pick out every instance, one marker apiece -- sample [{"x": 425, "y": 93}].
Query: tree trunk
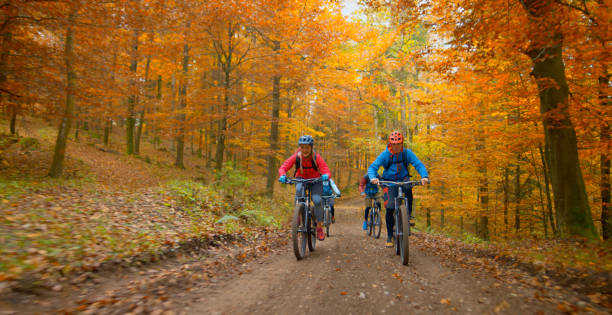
[
  {"x": 271, "y": 173},
  {"x": 604, "y": 161},
  {"x": 404, "y": 123},
  {"x": 107, "y": 128},
  {"x": 506, "y": 197},
  {"x": 13, "y": 118},
  {"x": 76, "y": 131},
  {"x": 288, "y": 145},
  {"x": 142, "y": 110},
  {"x": 517, "y": 196},
  {"x": 60, "y": 145},
  {"x": 7, "y": 38},
  {"x": 180, "y": 139},
  {"x": 571, "y": 202},
  {"x": 223, "y": 122},
  {"x": 131, "y": 120},
  {"x": 542, "y": 206},
  {"x": 200, "y": 144},
  {"x": 549, "y": 205},
  {"x": 484, "y": 228}
]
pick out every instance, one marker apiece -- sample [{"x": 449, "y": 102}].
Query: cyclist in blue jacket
[{"x": 395, "y": 160}]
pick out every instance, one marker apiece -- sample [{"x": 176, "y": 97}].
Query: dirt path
[{"x": 350, "y": 273}]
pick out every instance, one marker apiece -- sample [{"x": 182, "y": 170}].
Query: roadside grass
[
  {"x": 53, "y": 233},
  {"x": 559, "y": 254},
  {"x": 110, "y": 207}
]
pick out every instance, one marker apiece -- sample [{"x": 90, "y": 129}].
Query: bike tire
[
  {"x": 298, "y": 231},
  {"x": 377, "y": 223},
  {"x": 327, "y": 221},
  {"x": 312, "y": 233},
  {"x": 397, "y": 227},
  {"x": 370, "y": 230},
  {"x": 405, "y": 243}
]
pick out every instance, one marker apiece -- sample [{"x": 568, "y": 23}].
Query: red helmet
[{"x": 396, "y": 137}]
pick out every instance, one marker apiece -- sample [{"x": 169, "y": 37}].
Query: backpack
[
  {"x": 298, "y": 163},
  {"x": 404, "y": 161}
]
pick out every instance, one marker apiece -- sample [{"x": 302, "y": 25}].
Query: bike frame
[
  {"x": 402, "y": 221},
  {"x": 305, "y": 199},
  {"x": 400, "y": 194}
]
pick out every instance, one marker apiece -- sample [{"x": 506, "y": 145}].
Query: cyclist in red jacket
[{"x": 308, "y": 164}]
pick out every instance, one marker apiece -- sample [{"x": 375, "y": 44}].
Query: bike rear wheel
[
  {"x": 405, "y": 239},
  {"x": 312, "y": 232},
  {"x": 299, "y": 231},
  {"x": 377, "y": 223}
]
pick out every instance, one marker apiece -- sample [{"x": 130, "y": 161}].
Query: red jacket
[{"x": 307, "y": 170}]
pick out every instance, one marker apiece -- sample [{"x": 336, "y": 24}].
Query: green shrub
[
  {"x": 231, "y": 179},
  {"x": 29, "y": 143}
]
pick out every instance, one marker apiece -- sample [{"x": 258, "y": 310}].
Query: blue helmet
[{"x": 306, "y": 139}]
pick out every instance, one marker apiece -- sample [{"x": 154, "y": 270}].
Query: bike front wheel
[
  {"x": 405, "y": 229},
  {"x": 299, "y": 231},
  {"x": 327, "y": 221},
  {"x": 370, "y": 229},
  {"x": 377, "y": 224},
  {"x": 312, "y": 232},
  {"x": 397, "y": 232}
]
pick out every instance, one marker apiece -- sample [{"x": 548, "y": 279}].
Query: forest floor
[{"x": 348, "y": 273}]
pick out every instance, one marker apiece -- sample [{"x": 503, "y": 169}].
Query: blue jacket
[{"x": 396, "y": 170}]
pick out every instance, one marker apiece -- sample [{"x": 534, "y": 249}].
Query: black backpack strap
[
  {"x": 405, "y": 160},
  {"x": 297, "y": 164}
]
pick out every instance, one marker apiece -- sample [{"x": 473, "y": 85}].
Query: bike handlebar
[
  {"x": 330, "y": 197},
  {"x": 410, "y": 182},
  {"x": 293, "y": 181}
]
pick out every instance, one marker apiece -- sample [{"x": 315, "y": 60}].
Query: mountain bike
[
  {"x": 401, "y": 229},
  {"x": 327, "y": 217},
  {"x": 303, "y": 224},
  {"x": 374, "y": 219}
]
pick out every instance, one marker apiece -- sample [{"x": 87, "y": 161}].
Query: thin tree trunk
[
  {"x": 287, "y": 137},
  {"x": 506, "y": 197},
  {"x": 13, "y": 118},
  {"x": 7, "y": 38},
  {"x": 604, "y": 162},
  {"x": 144, "y": 105},
  {"x": 180, "y": 139},
  {"x": 542, "y": 206},
  {"x": 76, "y": 131},
  {"x": 200, "y": 143},
  {"x": 107, "y": 128},
  {"x": 271, "y": 173},
  {"x": 60, "y": 145},
  {"x": 517, "y": 196},
  {"x": 549, "y": 205},
  {"x": 131, "y": 119}
]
